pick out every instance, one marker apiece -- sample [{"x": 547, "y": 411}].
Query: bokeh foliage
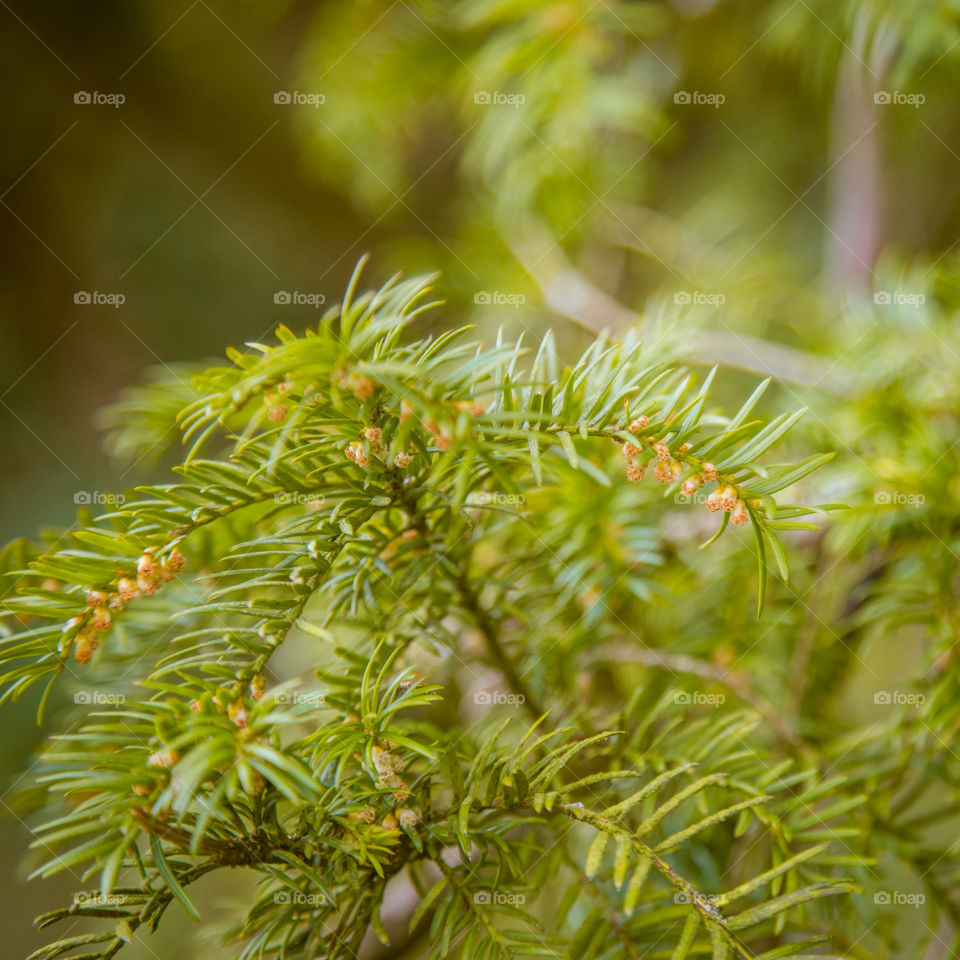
[{"x": 537, "y": 153}]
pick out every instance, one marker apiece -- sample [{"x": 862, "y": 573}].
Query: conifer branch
[{"x": 367, "y": 494}]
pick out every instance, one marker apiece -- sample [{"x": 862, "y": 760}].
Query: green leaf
[
  {"x": 771, "y": 908},
  {"x": 569, "y": 449},
  {"x": 769, "y": 875},
  {"x": 426, "y": 903},
  {"x": 761, "y": 562},
  {"x": 682, "y": 950},
  {"x": 595, "y": 854},
  {"x": 160, "y": 862}
]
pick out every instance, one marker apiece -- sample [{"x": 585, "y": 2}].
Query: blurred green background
[
  {"x": 754, "y": 177},
  {"x": 194, "y": 202}
]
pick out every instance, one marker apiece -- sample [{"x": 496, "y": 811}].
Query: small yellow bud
[
  {"x": 662, "y": 452},
  {"x": 357, "y": 454},
  {"x": 728, "y": 497},
  {"x": 237, "y": 712},
  {"x": 127, "y": 589},
  {"x": 85, "y": 647},
  {"x": 166, "y": 757},
  {"x": 668, "y": 472},
  {"x": 361, "y": 386},
  {"x": 101, "y": 619}
]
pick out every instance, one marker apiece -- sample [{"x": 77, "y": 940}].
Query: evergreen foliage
[
  {"x": 416, "y": 513},
  {"x": 525, "y": 632}
]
